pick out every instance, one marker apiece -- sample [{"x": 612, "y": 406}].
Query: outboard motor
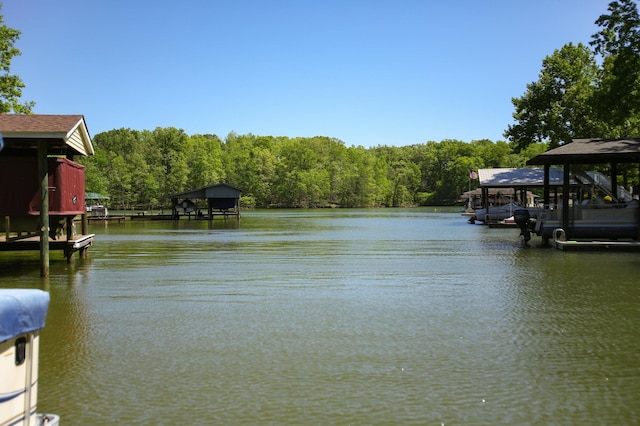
[{"x": 522, "y": 218}]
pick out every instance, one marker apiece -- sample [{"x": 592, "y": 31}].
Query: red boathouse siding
[{"x": 20, "y": 193}]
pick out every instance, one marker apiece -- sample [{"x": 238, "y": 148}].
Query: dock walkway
[
  {"x": 573, "y": 245},
  {"x": 106, "y": 218},
  {"x": 561, "y": 242},
  {"x": 32, "y": 242}
]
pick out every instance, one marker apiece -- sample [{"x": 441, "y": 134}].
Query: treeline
[
  {"x": 585, "y": 91},
  {"x": 138, "y": 169}
]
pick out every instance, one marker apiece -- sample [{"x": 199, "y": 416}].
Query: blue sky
[{"x": 376, "y": 72}]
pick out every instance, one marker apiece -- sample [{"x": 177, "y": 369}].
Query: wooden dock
[
  {"x": 502, "y": 224},
  {"x": 560, "y": 242},
  {"x": 78, "y": 243},
  {"x": 597, "y": 245},
  {"x": 168, "y": 216},
  {"x": 150, "y": 216},
  {"x": 106, "y": 218}
]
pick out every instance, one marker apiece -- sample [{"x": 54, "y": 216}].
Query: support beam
[
  {"x": 43, "y": 223},
  {"x": 485, "y": 202},
  {"x": 614, "y": 181},
  {"x": 545, "y": 197},
  {"x": 565, "y": 201},
  {"x": 69, "y": 226}
]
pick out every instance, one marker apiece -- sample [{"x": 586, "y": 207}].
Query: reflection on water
[{"x": 336, "y": 317}]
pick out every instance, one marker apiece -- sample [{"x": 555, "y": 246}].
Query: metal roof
[
  {"x": 491, "y": 191},
  {"x": 95, "y": 196},
  {"x": 521, "y": 177},
  {"x": 219, "y": 190},
  {"x": 591, "y": 151},
  {"x": 63, "y": 133}
]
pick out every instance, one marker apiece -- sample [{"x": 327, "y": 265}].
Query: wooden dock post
[
  {"x": 43, "y": 228},
  {"x": 85, "y": 225}
]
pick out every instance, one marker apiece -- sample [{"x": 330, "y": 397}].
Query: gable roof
[
  {"x": 63, "y": 133},
  {"x": 591, "y": 151},
  {"x": 219, "y": 190},
  {"x": 521, "y": 177}
]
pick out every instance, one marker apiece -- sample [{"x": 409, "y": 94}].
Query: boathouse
[
  {"x": 41, "y": 188},
  {"x": 222, "y": 200},
  {"x": 96, "y": 205},
  {"x": 579, "y": 152},
  {"x": 499, "y": 187}
]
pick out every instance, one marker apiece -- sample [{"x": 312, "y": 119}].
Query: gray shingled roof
[{"x": 591, "y": 151}]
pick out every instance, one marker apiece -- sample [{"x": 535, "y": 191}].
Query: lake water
[{"x": 335, "y": 317}]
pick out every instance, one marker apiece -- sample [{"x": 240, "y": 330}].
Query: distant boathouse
[{"x": 222, "y": 200}]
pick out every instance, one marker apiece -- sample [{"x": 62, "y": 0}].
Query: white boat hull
[
  {"x": 501, "y": 213},
  {"x": 22, "y": 315}
]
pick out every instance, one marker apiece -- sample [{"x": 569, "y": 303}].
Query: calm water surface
[{"x": 336, "y": 317}]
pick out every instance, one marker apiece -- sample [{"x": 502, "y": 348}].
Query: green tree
[
  {"x": 204, "y": 156},
  {"x": 293, "y": 185},
  {"x": 446, "y": 170},
  {"x": 363, "y": 179},
  {"x": 109, "y": 171},
  {"x": 120, "y": 183},
  {"x": 405, "y": 178},
  {"x": 168, "y": 165},
  {"x": 10, "y": 84},
  {"x": 95, "y": 178},
  {"x": 248, "y": 166},
  {"x": 489, "y": 154},
  {"x": 618, "y": 43},
  {"x": 145, "y": 188},
  {"x": 557, "y": 107},
  {"x": 138, "y": 167}
]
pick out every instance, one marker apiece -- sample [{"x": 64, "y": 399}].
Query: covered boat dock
[
  {"x": 41, "y": 188},
  {"x": 222, "y": 200},
  {"x": 596, "y": 226},
  {"x": 510, "y": 185}
]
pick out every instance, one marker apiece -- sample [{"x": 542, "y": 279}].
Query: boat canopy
[
  {"x": 22, "y": 311},
  {"x": 523, "y": 177}
]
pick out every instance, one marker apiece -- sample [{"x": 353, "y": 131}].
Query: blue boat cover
[{"x": 22, "y": 311}]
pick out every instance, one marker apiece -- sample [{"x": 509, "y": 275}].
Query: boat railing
[{"x": 621, "y": 212}]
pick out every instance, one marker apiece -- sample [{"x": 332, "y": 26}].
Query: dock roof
[
  {"x": 64, "y": 134},
  {"x": 518, "y": 177},
  {"x": 591, "y": 151},
  {"x": 219, "y": 190}
]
